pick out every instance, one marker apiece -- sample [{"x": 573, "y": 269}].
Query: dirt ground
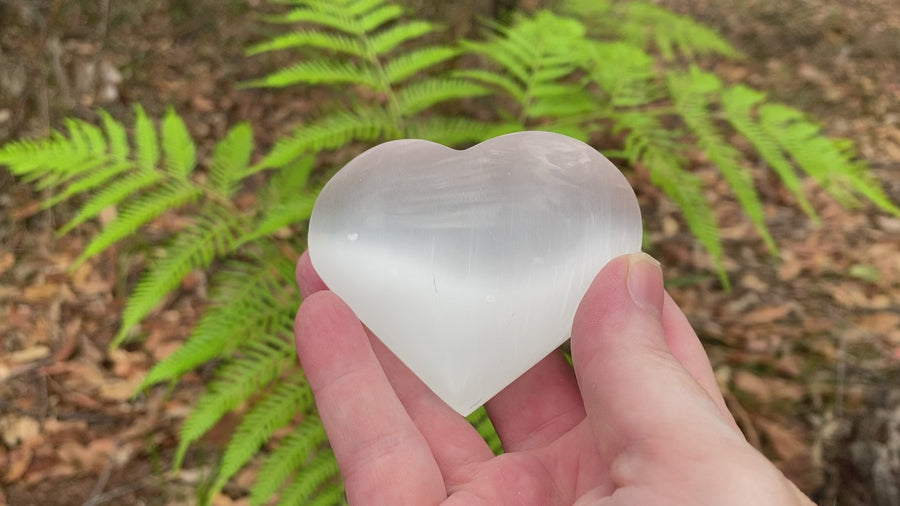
[{"x": 806, "y": 346}]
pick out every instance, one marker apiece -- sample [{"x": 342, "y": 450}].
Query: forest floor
[{"x": 806, "y": 346}]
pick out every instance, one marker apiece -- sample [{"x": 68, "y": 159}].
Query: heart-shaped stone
[{"x": 469, "y": 265}]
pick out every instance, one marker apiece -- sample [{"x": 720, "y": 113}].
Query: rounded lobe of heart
[{"x": 469, "y": 265}]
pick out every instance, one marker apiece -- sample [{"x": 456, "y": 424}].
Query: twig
[{"x": 101, "y": 483}]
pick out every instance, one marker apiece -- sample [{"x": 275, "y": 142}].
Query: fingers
[
  {"x": 686, "y": 348},
  {"x": 383, "y": 457},
  {"x": 453, "y": 441},
  {"x": 308, "y": 279},
  {"x": 633, "y": 386},
  {"x": 539, "y": 406}
]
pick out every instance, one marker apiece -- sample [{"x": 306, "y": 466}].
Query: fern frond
[
  {"x": 356, "y": 18},
  {"x": 319, "y": 71},
  {"x": 377, "y": 17},
  {"x": 275, "y": 410},
  {"x": 292, "y": 452},
  {"x": 391, "y": 38},
  {"x": 212, "y": 235},
  {"x": 96, "y": 178},
  {"x": 656, "y": 147},
  {"x": 503, "y": 54},
  {"x": 54, "y": 160},
  {"x": 302, "y": 491},
  {"x": 425, "y": 93},
  {"x": 456, "y": 130},
  {"x": 737, "y": 106},
  {"x": 327, "y": 133},
  {"x": 832, "y": 163},
  {"x": 689, "y": 96},
  {"x": 624, "y": 73},
  {"x": 178, "y": 147},
  {"x": 281, "y": 215},
  {"x": 230, "y": 158},
  {"x": 311, "y": 38},
  {"x": 505, "y": 83},
  {"x": 116, "y": 136},
  {"x": 482, "y": 423},
  {"x": 257, "y": 364},
  {"x": 248, "y": 300},
  {"x": 409, "y": 64},
  {"x": 137, "y": 212},
  {"x": 647, "y": 25},
  {"x": 145, "y": 140},
  {"x": 113, "y": 194},
  {"x": 555, "y": 100}
]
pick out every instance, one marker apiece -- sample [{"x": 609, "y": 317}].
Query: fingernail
[{"x": 645, "y": 282}]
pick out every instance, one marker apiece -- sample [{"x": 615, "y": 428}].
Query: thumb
[{"x": 633, "y": 386}]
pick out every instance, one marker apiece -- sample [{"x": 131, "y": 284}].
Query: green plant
[{"x": 623, "y": 72}]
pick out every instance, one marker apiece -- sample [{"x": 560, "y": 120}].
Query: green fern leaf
[
  {"x": 503, "y": 54},
  {"x": 194, "y": 248},
  {"x": 137, "y": 212},
  {"x": 275, "y": 410},
  {"x": 312, "y": 38},
  {"x": 689, "y": 98},
  {"x": 319, "y": 71},
  {"x": 286, "y": 201},
  {"x": 656, "y": 147},
  {"x": 258, "y": 363},
  {"x": 113, "y": 194},
  {"x": 391, "y": 38},
  {"x": 89, "y": 181},
  {"x": 302, "y": 491},
  {"x": 558, "y": 101},
  {"x": 327, "y": 133},
  {"x": 737, "y": 105},
  {"x": 455, "y": 130},
  {"x": 145, "y": 140},
  {"x": 645, "y": 24},
  {"x": 230, "y": 158},
  {"x": 321, "y": 17},
  {"x": 292, "y": 451},
  {"x": 624, "y": 73},
  {"x": 378, "y": 17},
  {"x": 413, "y": 62},
  {"x": 247, "y": 300},
  {"x": 425, "y": 93},
  {"x": 329, "y": 495},
  {"x": 178, "y": 147},
  {"x": 482, "y": 423},
  {"x": 832, "y": 163},
  {"x": 116, "y": 136},
  {"x": 510, "y": 86},
  {"x": 281, "y": 215}
]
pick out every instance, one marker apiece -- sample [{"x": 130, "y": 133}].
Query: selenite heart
[{"x": 469, "y": 265}]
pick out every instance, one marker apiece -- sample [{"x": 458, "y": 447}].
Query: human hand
[{"x": 640, "y": 420}]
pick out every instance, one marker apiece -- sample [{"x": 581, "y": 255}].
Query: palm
[{"x": 644, "y": 403}]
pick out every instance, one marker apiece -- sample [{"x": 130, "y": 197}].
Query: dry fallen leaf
[{"x": 7, "y": 260}]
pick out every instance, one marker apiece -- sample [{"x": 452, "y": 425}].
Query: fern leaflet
[
  {"x": 302, "y": 491},
  {"x": 178, "y": 147},
  {"x": 256, "y": 364},
  {"x": 249, "y": 300},
  {"x": 275, "y": 410},
  {"x": 194, "y": 248},
  {"x": 292, "y": 452},
  {"x": 137, "y": 212},
  {"x": 737, "y": 104},
  {"x": 689, "y": 95},
  {"x": 230, "y": 158}
]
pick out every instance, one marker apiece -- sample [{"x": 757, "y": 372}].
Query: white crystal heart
[{"x": 469, "y": 265}]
